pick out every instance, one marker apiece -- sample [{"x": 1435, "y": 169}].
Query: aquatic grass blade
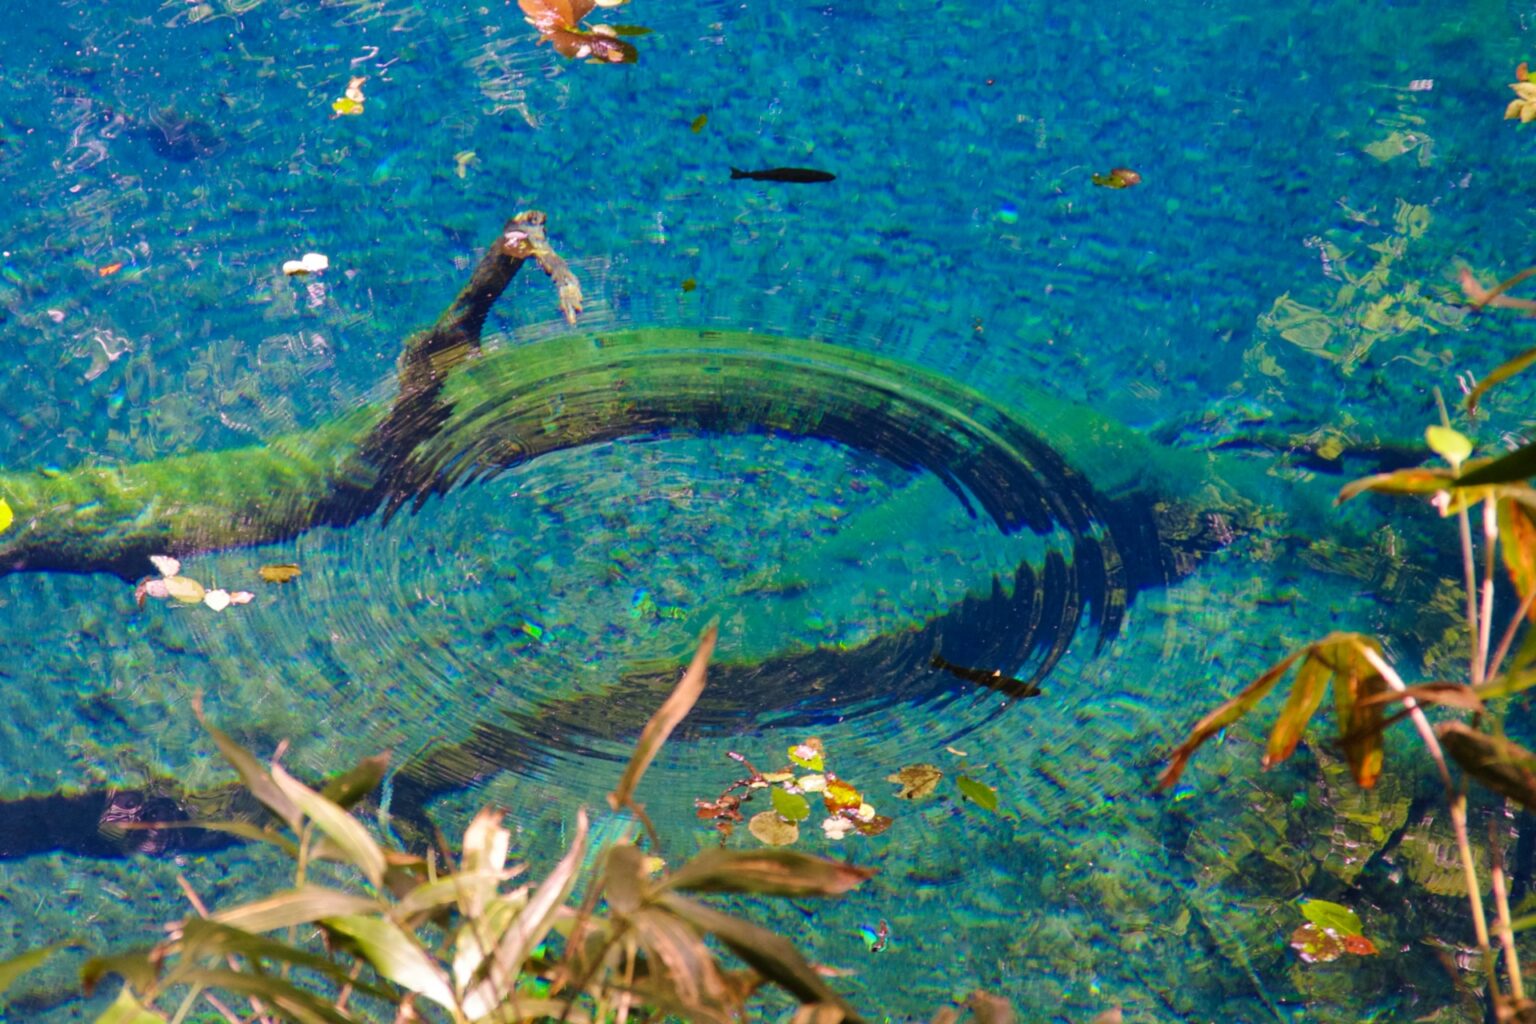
[
  {"x": 339, "y": 826},
  {"x": 395, "y": 955},
  {"x": 1228, "y": 712},
  {"x": 204, "y": 937},
  {"x": 32, "y": 959},
  {"x": 1502, "y": 765},
  {"x": 126, "y": 1009},
  {"x": 767, "y": 872},
  {"x": 772, "y": 956},
  {"x": 250, "y": 771},
  {"x": 672, "y": 711},
  {"x": 294, "y": 907},
  {"x": 1499, "y": 375},
  {"x": 1307, "y": 691}
]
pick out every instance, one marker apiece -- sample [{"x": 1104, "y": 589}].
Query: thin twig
[
  {"x": 224, "y": 1011},
  {"x": 1501, "y": 907},
  {"x": 1509, "y": 633},
  {"x": 1490, "y": 549}
]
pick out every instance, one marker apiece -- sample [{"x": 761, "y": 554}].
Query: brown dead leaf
[{"x": 283, "y": 573}]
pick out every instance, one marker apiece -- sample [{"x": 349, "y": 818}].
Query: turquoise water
[{"x": 1285, "y": 156}]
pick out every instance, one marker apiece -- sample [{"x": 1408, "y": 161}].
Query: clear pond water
[{"x": 1281, "y": 282}]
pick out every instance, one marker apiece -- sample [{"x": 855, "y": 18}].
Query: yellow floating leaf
[
  {"x": 282, "y": 573},
  {"x": 778, "y": 776},
  {"x": 769, "y": 828},
  {"x": 916, "y": 780},
  {"x": 183, "y": 589},
  {"x": 808, "y": 754},
  {"x": 7, "y": 517},
  {"x": 1451, "y": 445},
  {"x": 840, "y": 796},
  {"x": 347, "y": 107}
]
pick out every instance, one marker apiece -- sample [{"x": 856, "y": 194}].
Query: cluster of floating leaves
[
  {"x": 350, "y": 103},
  {"x": 1331, "y": 931},
  {"x": 1523, "y": 106},
  {"x": 793, "y": 788},
  {"x": 171, "y": 585},
  {"x": 6, "y": 516}
]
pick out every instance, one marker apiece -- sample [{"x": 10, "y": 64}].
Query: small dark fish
[
  {"x": 992, "y": 679},
  {"x": 796, "y": 175}
]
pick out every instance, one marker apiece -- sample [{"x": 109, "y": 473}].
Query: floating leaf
[
  {"x": 773, "y": 872},
  {"x": 769, "y": 827},
  {"x": 183, "y": 589},
  {"x": 218, "y": 600},
  {"x": 979, "y": 793},
  {"x": 811, "y": 783},
  {"x": 808, "y": 755},
  {"x": 916, "y": 780},
  {"x": 6, "y": 516},
  {"x": 165, "y": 565},
  {"x": 790, "y": 805},
  {"x": 280, "y": 573},
  {"x": 1316, "y": 946},
  {"x": 1451, "y": 445},
  {"x": 839, "y": 796},
  {"x": 837, "y": 827},
  {"x": 1334, "y": 917},
  {"x": 699, "y": 123},
  {"x": 1517, "y": 466},
  {"x": 660, "y": 726},
  {"x": 1359, "y": 945}
]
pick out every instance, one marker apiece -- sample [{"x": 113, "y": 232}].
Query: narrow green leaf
[
  {"x": 1508, "y": 684},
  {"x": 296, "y": 906},
  {"x": 1502, "y": 765},
  {"x": 1229, "y": 712},
  {"x": 32, "y": 959},
  {"x": 1499, "y": 375},
  {"x": 396, "y": 956},
  {"x": 339, "y": 826},
  {"x": 203, "y": 939},
  {"x": 1517, "y": 547},
  {"x": 250, "y": 770},
  {"x": 774, "y": 872},
  {"x": 447, "y": 889},
  {"x": 1332, "y": 917},
  {"x": 1450, "y": 444},
  {"x": 772, "y": 956},
  {"x": 1402, "y": 481},
  {"x": 1307, "y": 691},
  {"x": 791, "y": 806},
  {"x": 128, "y": 1010},
  {"x": 1359, "y": 720},
  {"x": 139, "y": 968},
  {"x": 979, "y": 793},
  {"x": 299, "y": 1004},
  {"x": 1518, "y": 465},
  {"x": 352, "y": 786},
  {"x": 672, "y": 711}
]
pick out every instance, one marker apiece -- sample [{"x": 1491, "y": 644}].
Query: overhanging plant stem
[{"x": 1484, "y": 631}]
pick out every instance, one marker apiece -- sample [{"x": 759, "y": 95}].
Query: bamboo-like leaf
[
  {"x": 772, "y": 956},
  {"x": 242, "y": 829},
  {"x": 1307, "y": 691},
  {"x": 1229, "y": 712},
  {"x": 626, "y": 880},
  {"x": 1334, "y": 917},
  {"x": 396, "y": 956},
  {"x": 978, "y": 793},
  {"x": 1499, "y": 375},
  {"x": 352, "y": 786},
  {"x": 689, "y": 972},
  {"x": 1423, "y": 480},
  {"x": 529, "y": 928},
  {"x": 127, "y": 1009},
  {"x": 204, "y": 938},
  {"x": 339, "y": 826},
  {"x": 1517, "y": 546},
  {"x": 299, "y": 1004},
  {"x": 139, "y": 968},
  {"x": 486, "y": 842},
  {"x": 478, "y": 938},
  {"x": 774, "y": 872},
  {"x": 250, "y": 771},
  {"x": 1502, "y": 765},
  {"x": 1518, "y": 465},
  {"x": 448, "y": 889},
  {"x": 1359, "y": 720},
  {"x": 296, "y": 906},
  {"x": 672, "y": 711},
  {"x": 1450, "y": 695},
  {"x": 32, "y": 959}
]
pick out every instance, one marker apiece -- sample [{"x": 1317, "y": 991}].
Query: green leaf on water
[
  {"x": 16, "y": 966},
  {"x": 1450, "y": 444},
  {"x": 1332, "y": 917},
  {"x": 791, "y": 806},
  {"x": 979, "y": 793}
]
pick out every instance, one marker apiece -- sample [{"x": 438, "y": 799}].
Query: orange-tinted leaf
[
  {"x": 672, "y": 711},
  {"x": 840, "y": 796},
  {"x": 871, "y": 826},
  {"x": 1359, "y": 945},
  {"x": 1403, "y": 481},
  {"x": 1223, "y": 716},
  {"x": 1451, "y": 695},
  {"x": 778, "y": 872},
  {"x": 1359, "y": 721},
  {"x": 1306, "y": 694},
  {"x": 1517, "y": 543}
]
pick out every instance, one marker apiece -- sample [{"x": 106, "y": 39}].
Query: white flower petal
[
  {"x": 218, "y": 600},
  {"x": 167, "y": 565}
]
